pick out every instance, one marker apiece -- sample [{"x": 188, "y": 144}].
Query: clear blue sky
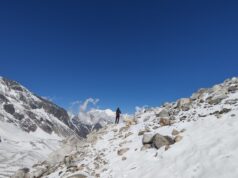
[{"x": 126, "y": 53}]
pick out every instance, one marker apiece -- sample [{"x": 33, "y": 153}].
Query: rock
[
  {"x": 184, "y": 104},
  {"x": 147, "y": 139},
  {"x": 128, "y": 134},
  {"x": 166, "y": 147},
  {"x": 40, "y": 171},
  {"x": 164, "y": 121},
  {"x": 163, "y": 113},
  {"x": 232, "y": 88},
  {"x": 233, "y": 115},
  {"x": 183, "y": 130},
  {"x": 155, "y": 127},
  {"x": 175, "y": 132},
  {"x": 123, "y": 158},
  {"x": 22, "y": 173},
  {"x": 224, "y": 110},
  {"x": 231, "y": 101},
  {"x": 178, "y": 138},
  {"x": 3, "y": 99},
  {"x": 198, "y": 94},
  {"x": 202, "y": 115},
  {"x": 129, "y": 121},
  {"x": 216, "y": 89},
  {"x": 141, "y": 132},
  {"x": 145, "y": 147},
  {"x": 216, "y": 99},
  {"x": 122, "y": 151},
  {"x": 9, "y": 108},
  {"x": 183, "y": 118},
  {"x": 77, "y": 176},
  {"x": 123, "y": 143},
  {"x": 115, "y": 130},
  {"x": 146, "y": 119},
  {"x": 195, "y": 96},
  {"x": 68, "y": 160},
  {"x": 147, "y": 128},
  {"x": 160, "y": 141}
]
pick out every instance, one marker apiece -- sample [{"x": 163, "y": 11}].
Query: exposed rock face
[
  {"x": 175, "y": 132},
  {"x": 178, "y": 138}
]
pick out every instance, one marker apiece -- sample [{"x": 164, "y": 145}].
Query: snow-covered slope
[
  {"x": 30, "y": 127},
  {"x": 196, "y": 138}
]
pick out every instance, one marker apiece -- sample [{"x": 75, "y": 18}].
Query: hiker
[{"x": 118, "y": 112}]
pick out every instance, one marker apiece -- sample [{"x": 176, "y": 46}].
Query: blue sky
[{"x": 126, "y": 53}]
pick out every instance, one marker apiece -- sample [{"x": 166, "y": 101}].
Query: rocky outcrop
[
  {"x": 184, "y": 104},
  {"x": 163, "y": 113}
]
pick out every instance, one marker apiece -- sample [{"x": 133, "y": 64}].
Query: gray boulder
[
  {"x": 163, "y": 113},
  {"x": 160, "y": 141},
  {"x": 9, "y": 108}
]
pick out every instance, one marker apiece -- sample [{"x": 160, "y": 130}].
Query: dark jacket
[{"x": 118, "y": 112}]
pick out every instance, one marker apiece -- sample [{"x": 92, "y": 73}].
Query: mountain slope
[
  {"x": 30, "y": 112},
  {"x": 192, "y": 137}
]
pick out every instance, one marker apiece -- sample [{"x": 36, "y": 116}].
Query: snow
[
  {"x": 19, "y": 149},
  {"x": 208, "y": 148}
]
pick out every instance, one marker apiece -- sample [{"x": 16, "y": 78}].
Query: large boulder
[
  {"x": 184, "y": 104},
  {"x": 163, "y": 113},
  {"x": 9, "y": 108},
  {"x": 160, "y": 141}
]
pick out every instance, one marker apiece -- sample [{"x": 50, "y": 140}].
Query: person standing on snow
[{"x": 118, "y": 113}]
